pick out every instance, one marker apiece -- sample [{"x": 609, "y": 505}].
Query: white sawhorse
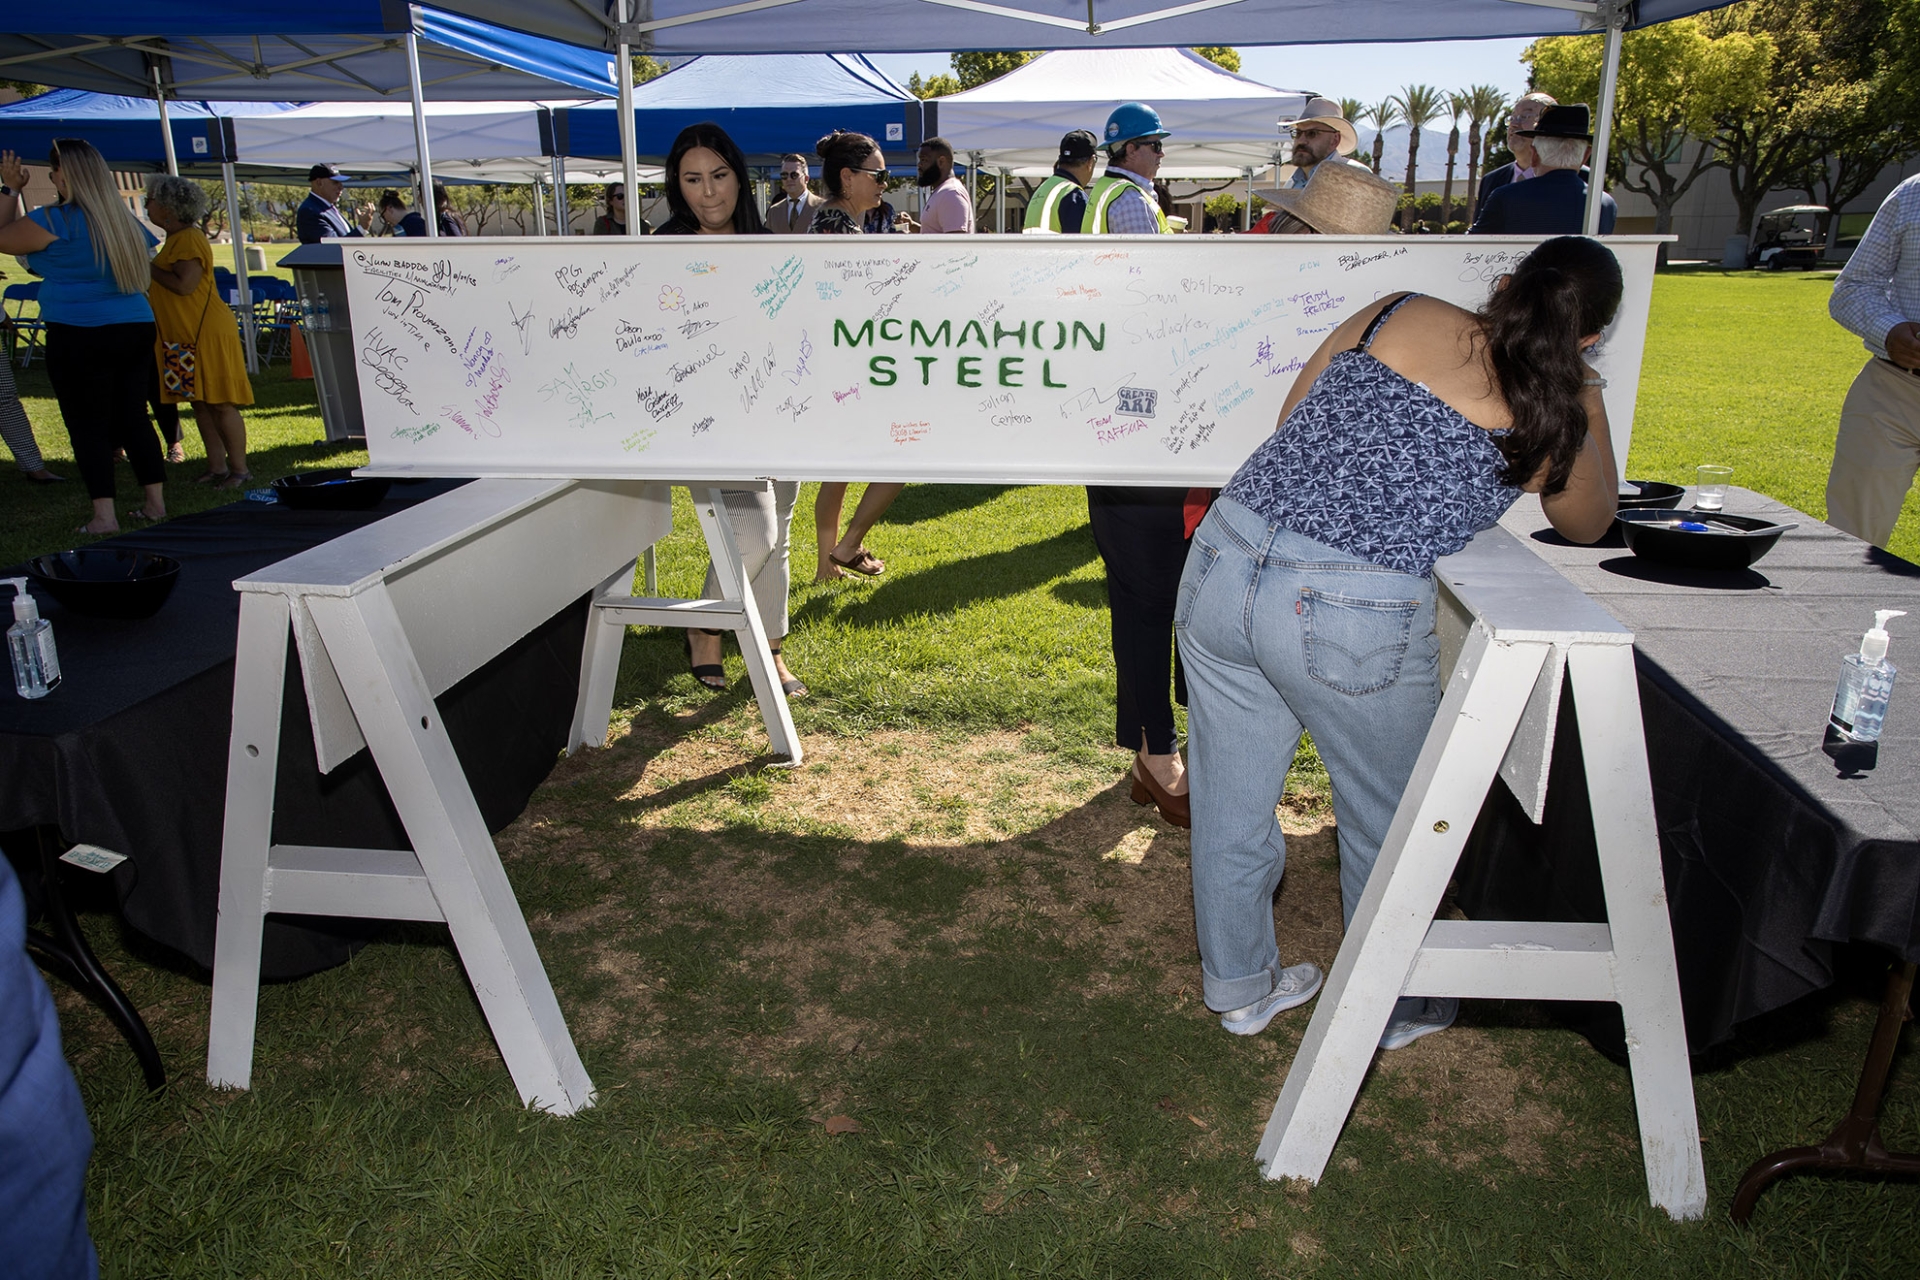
[
  {"x": 1520, "y": 629},
  {"x": 614, "y": 609},
  {"x": 384, "y": 620}
]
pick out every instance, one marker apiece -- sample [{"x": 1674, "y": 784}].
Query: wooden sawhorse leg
[{"x": 1854, "y": 1145}]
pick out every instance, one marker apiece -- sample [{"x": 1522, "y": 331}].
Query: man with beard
[
  {"x": 948, "y": 211},
  {"x": 1321, "y": 134}
]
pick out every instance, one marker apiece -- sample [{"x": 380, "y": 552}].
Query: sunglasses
[
  {"x": 618, "y": 195},
  {"x": 873, "y": 173},
  {"x": 1154, "y": 146}
]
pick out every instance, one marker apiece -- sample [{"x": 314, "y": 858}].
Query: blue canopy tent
[
  {"x": 768, "y": 105},
  {"x": 125, "y": 130}
]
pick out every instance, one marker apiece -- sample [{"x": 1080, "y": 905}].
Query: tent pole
[
  {"x": 1246, "y": 214},
  {"x": 240, "y": 261},
  {"x": 561, "y": 214},
  {"x": 431, "y": 213},
  {"x": 629, "y": 147},
  {"x": 1603, "y": 132},
  {"x": 539, "y": 208},
  {"x": 166, "y": 129},
  {"x": 973, "y": 180},
  {"x": 1000, "y": 202}
]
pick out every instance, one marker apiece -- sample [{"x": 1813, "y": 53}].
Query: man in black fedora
[{"x": 1553, "y": 201}]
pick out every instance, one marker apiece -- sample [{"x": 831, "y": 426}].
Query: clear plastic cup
[{"x": 1710, "y": 487}]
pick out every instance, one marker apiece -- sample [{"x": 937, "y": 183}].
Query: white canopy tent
[
  {"x": 1220, "y": 124},
  {"x": 472, "y": 141}
]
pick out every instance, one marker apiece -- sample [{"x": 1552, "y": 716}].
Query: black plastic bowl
[
  {"x": 1699, "y": 539},
  {"x": 1649, "y": 493},
  {"x": 334, "y": 490},
  {"x": 107, "y": 582}
]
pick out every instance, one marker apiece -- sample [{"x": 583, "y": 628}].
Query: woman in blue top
[
  {"x": 93, "y": 258},
  {"x": 1308, "y": 597}
]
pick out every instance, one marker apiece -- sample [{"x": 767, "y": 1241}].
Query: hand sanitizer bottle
[
  {"x": 1866, "y": 682},
  {"x": 36, "y": 667}
]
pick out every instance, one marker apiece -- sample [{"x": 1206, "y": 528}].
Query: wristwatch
[{"x": 6, "y": 190}]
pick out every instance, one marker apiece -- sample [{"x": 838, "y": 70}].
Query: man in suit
[
  {"x": 793, "y": 214},
  {"x": 1554, "y": 201},
  {"x": 1524, "y": 116},
  {"x": 319, "y": 216}
]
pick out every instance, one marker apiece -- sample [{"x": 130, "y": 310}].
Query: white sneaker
[
  {"x": 1296, "y": 985},
  {"x": 1437, "y": 1014}
]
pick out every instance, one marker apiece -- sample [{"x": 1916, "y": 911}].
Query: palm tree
[
  {"x": 1484, "y": 102},
  {"x": 1383, "y": 114},
  {"x": 1456, "y": 107},
  {"x": 1418, "y": 104},
  {"x": 1352, "y": 109}
]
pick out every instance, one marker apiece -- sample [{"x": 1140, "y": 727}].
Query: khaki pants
[{"x": 1877, "y": 453}]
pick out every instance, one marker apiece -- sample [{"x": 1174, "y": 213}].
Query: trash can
[
  {"x": 322, "y": 285},
  {"x": 1733, "y": 257}
]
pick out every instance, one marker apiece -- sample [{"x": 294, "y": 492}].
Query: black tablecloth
[
  {"x": 130, "y": 752},
  {"x": 1774, "y": 850}
]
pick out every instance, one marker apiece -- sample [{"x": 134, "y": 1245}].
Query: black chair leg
[{"x": 68, "y": 956}]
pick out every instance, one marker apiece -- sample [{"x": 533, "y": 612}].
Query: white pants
[
  {"x": 1877, "y": 452},
  {"x": 762, "y": 523}
]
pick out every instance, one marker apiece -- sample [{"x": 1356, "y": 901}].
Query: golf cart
[{"x": 1787, "y": 237}]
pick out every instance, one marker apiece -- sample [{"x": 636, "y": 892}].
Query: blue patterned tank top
[{"x": 1376, "y": 465}]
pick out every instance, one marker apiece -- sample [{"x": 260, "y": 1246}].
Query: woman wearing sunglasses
[{"x": 856, "y": 175}]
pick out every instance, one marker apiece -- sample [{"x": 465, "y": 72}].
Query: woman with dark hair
[
  {"x": 1308, "y": 598},
  {"x": 613, "y": 221},
  {"x": 707, "y": 192},
  {"x": 705, "y": 186},
  {"x": 855, "y": 174},
  {"x": 446, "y": 217}
]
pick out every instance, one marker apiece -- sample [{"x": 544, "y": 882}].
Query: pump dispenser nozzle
[
  {"x": 1873, "y": 645},
  {"x": 25, "y": 607}
]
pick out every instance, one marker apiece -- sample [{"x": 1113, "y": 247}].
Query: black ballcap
[
  {"x": 1078, "y": 145},
  {"x": 320, "y": 171}
]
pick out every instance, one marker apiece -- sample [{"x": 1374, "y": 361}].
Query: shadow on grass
[
  {"x": 919, "y": 503},
  {"x": 995, "y": 575}
]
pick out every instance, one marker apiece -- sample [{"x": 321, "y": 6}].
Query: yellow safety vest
[
  {"x": 1100, "y": 198},
  {"x": 1044, "y": 209}
]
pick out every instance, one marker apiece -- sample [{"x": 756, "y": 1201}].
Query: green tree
[
  {"x": 1352, "y": 110},
  {"x": 1676, "y": 82},
  {"x": 1418, "y": 104},
  {"x": 976, "y": 68},
  {"x": 1864, "y": 116},
  {"x": 1383, "y": 115},
  {"x": 647, "y": 68},
  {"x": 25, "y": 88},
  {"x": 1221, "y": 56},
  {"x": 1484, "y": 103},
  {"x": 1824, "y": 56},
  {"x": 934, "y": 86}
]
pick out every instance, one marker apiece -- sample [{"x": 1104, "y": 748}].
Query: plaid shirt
[
  {"x": 1879, "y": 288},
  {"x": 1130, "y": 214}
]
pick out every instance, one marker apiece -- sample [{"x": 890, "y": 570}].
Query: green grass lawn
[{"x": 949, "y": 928}]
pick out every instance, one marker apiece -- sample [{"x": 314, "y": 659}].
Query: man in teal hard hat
[
  {"x": 1122, "y": 201},
  {"x": 1060, "y": 203}
]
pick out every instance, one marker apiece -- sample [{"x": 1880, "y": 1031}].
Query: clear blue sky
[{"x": 1369, "y": 72}]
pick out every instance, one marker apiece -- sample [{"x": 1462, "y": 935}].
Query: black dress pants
[
  {"x": 1141, "y": 534},
  {"x": 100, "y": 375}
]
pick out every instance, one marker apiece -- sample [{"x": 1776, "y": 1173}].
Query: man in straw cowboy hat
[
  {"x": 1554, "y": 201},
  {"x": 1338, "y": 200},
  {"x": 1320, "y": 134}
]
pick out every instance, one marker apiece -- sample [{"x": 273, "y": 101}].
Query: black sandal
[
  {"x": 710, "y": 674},
  {"x": 795, "y": 688}
]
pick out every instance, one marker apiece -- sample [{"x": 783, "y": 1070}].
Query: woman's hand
[
  {"x": 12, "y": 172},
  {"x": 1584, "y": 510}
]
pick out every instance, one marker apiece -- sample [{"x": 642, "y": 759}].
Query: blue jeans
[{"x": 1279, "y": 633}]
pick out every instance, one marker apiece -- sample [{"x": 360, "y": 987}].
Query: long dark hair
[
  {"x": 746, "y": 214},
  {"x": 842, "y": 150},
  {"x": 1563, "y": 291}
]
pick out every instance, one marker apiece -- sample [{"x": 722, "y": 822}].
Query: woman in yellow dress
[{"x": 187, "y": 310}]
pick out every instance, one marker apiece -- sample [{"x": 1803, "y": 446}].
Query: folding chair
[{"x": 19, "y": 324}]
